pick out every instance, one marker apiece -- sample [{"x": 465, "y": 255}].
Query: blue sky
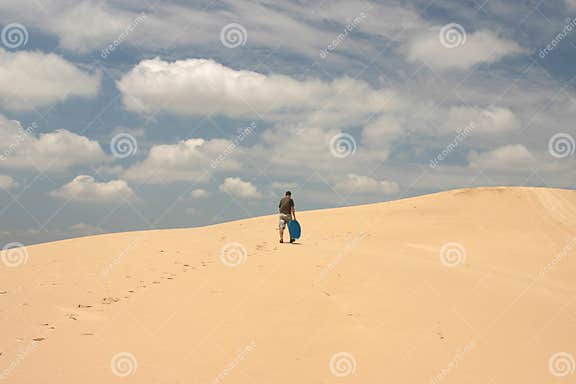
[{"x": 124, "y": 115}]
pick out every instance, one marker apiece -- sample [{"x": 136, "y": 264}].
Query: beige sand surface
[{"x": 367, "y": 288}]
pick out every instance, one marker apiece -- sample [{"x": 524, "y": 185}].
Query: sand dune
[{"x": 465, "y": 286}]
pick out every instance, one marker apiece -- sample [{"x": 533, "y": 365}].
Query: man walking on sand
[{"x": 287, "y": 213}]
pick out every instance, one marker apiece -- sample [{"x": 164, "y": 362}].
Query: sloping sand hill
[{"x": 465, "y": 286}]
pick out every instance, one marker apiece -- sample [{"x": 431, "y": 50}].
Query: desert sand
[{"x": 465, "y": 286}]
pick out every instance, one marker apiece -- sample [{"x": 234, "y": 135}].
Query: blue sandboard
[{"x": 294, "y": 228}]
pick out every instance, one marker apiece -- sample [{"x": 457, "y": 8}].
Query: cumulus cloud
[
  {"x": 204, "y": 87},
  {"x": 237, "y": 187},
  {"x": 33, "y": 79},
  {"x": 83, "y": 229},
  {"x": 189, "y": 160},
  {"x": 480, "y": 47},
  {"x": 507, "y": 157},
  {"x": 364, "y": 184},
  {"x": 85, "y": 189},
  {"x": 7, "y": 182},
  {"x": 199, "y": 193},
  {"x": 22, "y": 148},
  {"x": 486, "y": 120}
]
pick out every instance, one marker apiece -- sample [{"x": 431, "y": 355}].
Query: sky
[{"x": 124, "y": 115}]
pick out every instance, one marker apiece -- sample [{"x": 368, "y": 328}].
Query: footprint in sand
[
  {"x": 84, "y": 306},
  {"x": 110, "y": 300},
  {"x": 39, "y": 339}
]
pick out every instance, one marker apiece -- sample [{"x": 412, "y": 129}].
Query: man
[{"x": 287, "y": 213}]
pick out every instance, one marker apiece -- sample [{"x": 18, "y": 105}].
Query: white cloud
[
  {"x": 7, "y": 182},
  {"x": 488, "y": 120},
  {"x": 382, "y": 131},
  {"x": 507, "y": 157},
  {"x": 21, "y": 148},
  {"x": 480, "y": 47},
  {"x": 237, "y": 187},
  {"x": 283, "y": 186},
  {"x": 85, "y": 189},
  {"x": 199, "y": 193},
  {"x": 83, "y": 229},
  {"x": 34, "y": 79},
  {"x": 188, "y": 160},
  {"x": 203, "y": 87},
  {"x": 364, "y": 184}
]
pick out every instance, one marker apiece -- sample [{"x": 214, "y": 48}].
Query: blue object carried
[{"x": 294, "y": 229}]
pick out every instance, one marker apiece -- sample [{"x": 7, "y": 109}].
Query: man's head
[{"x": 288, "y": 193}]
